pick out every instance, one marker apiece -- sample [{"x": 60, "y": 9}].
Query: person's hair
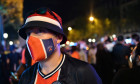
[
  {"x": 108, "y": 39},
  {"x": 100, "y": 46},
  {"x": 135, "y": 37},
  {"x": 93, "y": 46},
  {"x": 120, "y": 38}
]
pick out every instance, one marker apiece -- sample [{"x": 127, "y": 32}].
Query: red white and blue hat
[{"x": 43, "y": 18}]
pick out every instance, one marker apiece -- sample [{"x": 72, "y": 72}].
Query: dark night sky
[{"x": 67, "y": 9}]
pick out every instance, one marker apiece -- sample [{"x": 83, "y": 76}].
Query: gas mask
[{"x": 40, "y": 49}]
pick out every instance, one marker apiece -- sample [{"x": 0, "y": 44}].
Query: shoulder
[
  {"x": 122, "y": 76},
  {"x": 28, "y": 74},
  {"x": 85, "y": 72},
  {"x": 31, "y": 69},
  {"x": 124, "y": 71},
  {"x": 75, "y": 62}
]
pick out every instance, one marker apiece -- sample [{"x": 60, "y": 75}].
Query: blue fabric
[{"x": 49, "y": 46}]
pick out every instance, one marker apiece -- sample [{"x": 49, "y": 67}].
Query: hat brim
[{"x": 22, "y": 31}]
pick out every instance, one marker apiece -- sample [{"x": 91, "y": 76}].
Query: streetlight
[
  {"x": 69, "y": 28},
  {"x": 114, "y": 36},
  {"x": 89, "y": 40},
  {"x": 91, "y": 18},
  {"x": 93, "y": 40},
  {"x": 68, "y": 42},
  {"x": 5, "y": 35},
  {"x": 10, "y": 42}
]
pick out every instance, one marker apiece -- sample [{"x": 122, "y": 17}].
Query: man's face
[
  {"x": 40, "y": 33},
  {"x": 43, "y": 33},
  {"x": 46, "y": 41}
]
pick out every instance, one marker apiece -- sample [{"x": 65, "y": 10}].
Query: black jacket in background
[
  {"x": 127, "y": 76},
  {"x": 119, "y": 52},
  {"x": 4, "y": 73}
]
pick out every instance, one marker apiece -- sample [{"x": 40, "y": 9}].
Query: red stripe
[
  {"x": 50, "y": 80},
  {"x": 45, "y": 15}
]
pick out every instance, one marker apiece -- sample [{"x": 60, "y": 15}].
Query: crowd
[{"x": 110, "y": 57}]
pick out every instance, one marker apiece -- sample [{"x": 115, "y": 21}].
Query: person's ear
[{"x": 59, "y": 38}]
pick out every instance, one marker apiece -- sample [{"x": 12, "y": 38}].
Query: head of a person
[
  {"x": 120, "y": 38},
  {"x": 108, "y": 39},
  {"x": 135, "y": 38},
  {"x": 45, "y": 27},
  {"x": 100, "y": 47},
  {"x": 43, "y": 21},
  {"x": 12, "y": 48}
]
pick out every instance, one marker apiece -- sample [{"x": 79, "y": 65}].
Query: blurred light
[
  {"x": 102, "y": 39},
  {"x": 128, "y": 40},
  {"x": 87, "y": 48},
  {"x": 5, "y": 35},
  {"x": 10, "y": 42},
  {"x": 3, "y": 42},
  {"x": 91, "y": 18},
  {"x": 130, "y": 58},
  {"x": 63, "y": 45},
  {"x": 93, "y": 40},
  {"x": 89, "y": 40},
  {"x": 111, "y": 37},
  {"x": 67, "y": 42},
  {"x": 69, "y": 28},
  {"x": 72, "y": 44},
  {"x": 114, "y": 36}
]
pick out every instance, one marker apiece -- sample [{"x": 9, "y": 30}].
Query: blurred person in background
[
  {"x": 13, "y": 61},
  {"x": 129, "y": 75},
  {"x": 14, "y": 58},
  {"x": 4, "y": 76},
  {"x": 120, "y": 54},
  {"x": 82, "y": 53},
  {"x": 74, "y": 52},
  {"x": 92, "y": 55},
  {"x": 108, "y": 43},
  {"x": 26, "y": 62},
  {"x": 104, "y": 64},
  {"x": 135, "y": 41}
]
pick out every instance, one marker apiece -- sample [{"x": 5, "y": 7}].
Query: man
[
  {"x": 14, "y": 58},
  {"x": 120, "y": 54},
  {"x": 92, "y": 55},
  {"x": 43, "y": 34}
]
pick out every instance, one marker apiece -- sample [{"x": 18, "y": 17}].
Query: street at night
[{"x": 69, "y": 41}]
